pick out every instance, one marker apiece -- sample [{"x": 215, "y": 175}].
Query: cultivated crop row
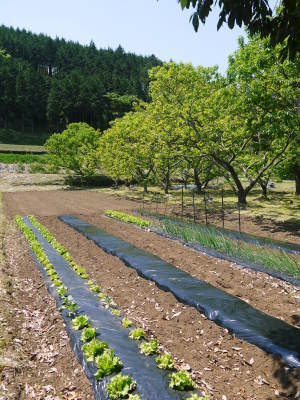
[{"x": 94, "y": 350}]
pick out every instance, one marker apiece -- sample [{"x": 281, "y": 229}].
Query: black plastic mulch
[
  {"x": 152, "y": 383},
  {"x": 271, "y": 334}
]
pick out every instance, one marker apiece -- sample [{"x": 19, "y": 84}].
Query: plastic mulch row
[
  {"x": 269, "y": 333},
  {"x": 152, "y": 383}
]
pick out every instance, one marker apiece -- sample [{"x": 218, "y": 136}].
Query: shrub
[{"x": 75, "y": 149}]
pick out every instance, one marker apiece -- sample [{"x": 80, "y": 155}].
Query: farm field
[{"x": 221, "y": 364}]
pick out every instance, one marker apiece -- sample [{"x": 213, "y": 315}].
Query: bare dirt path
[
  {"x": 36, "y": 361},
  {"x": 221, "y": 363}
]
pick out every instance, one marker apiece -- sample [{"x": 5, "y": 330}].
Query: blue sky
[{"x": 139, "y": 26}]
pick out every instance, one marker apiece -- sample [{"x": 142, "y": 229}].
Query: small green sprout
[
  {"x": 120, "y": 386},
  {"x": 88, "y": 334},
  {"x": 181, "y": 381},
  {"x": 95, "y": 289},
  {"x": 115, "y": 312},
  {"x": 80, "y": 322},
  {"x": 137, "y": 334},
  {"x": 126, "y": 323},
  {"x": 149, "y": 348},
  {"x": 165, "y": 361},
  {"x": 62, "y": 291},
  {"x": 57, "y": 282}
]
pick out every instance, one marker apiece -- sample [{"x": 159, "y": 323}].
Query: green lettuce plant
[
  {"x": 126, "y": 323},
  {"x": 181, "y": 381},
  {"x": 150, "y": 347},
  {"x": 88, "y": 334},
  {"x": 137, "y": 334},
  {"x": 93, "y": 349},
  {"x": 165, "y": 361},
  {"x": 120, "y": 386},
  {"x": 80, "y": 322},
  {"x": 107, "y": 363}
]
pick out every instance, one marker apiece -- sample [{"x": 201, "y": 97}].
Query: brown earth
[
  {"x": 221, "y": 363},
  {"x": 91, "y": 202},
  {"x": 36, "y": 361}
]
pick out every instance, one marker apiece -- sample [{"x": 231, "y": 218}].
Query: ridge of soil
[
  {"x": 222, "y": 364},
  {"x": 257, "y": 288},
  {"x": 37, "y": 361}
]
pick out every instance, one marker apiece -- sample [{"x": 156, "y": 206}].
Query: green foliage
[
  {"x": 11, "y": 158},
  {"x": 50, "y": 82},
  {"x": 69, "y": 304},
  {"x": 128, "y": 218},
  {"x": 88, "y": 334},
  {"x": 165, "y": 361},
  {"x": 181, "y": 381},
  {"x": 93, "y": 349},
  {"x": 258, "y": 17},
  {"x": 62, "y": 291},
  {"x": 120, "y": 386},
  {"x": 116, "y": 312},
  {"x": 126, "y": 323},
  {"x": 107, "y": 363},
  {"x": 80, "y": 322},
  {"x": 137, "y": 334},
  {"x": 150, "y": 347},
  {"x": 211, "y": 238},
  {"x": 75, "y": 149},
  {"x": 95, "y": 289},
  {"x": 127, "y": 147},
  {"x": 134, "y": 397}
]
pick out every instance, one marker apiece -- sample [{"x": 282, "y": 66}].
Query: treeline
[
  {"x": 47, "y": 83},
  {"x": 199, "y": 125}
]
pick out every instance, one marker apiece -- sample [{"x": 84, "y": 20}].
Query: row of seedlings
[
  {"x": 211, "y": 238},
  {"x": 180, "y": 380},
  {"x": 93, "y": 349}
]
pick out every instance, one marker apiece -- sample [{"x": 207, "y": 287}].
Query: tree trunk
[
  {"x": 264, "y": 187},
  {"x": 242, "y": 197},
  {"x": 167, "y": 182},
  {"x": 197, "y": 181},
  {"x": 145, "y": 187},
  {"x": 297, "y": 180}
]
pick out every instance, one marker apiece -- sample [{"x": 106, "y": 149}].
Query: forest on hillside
[{"x": 47, "y": 83}]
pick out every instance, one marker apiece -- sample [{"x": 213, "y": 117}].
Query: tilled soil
[
  {"x": 258, "y": 289},
  {"x": 221, "y": 363},
  {"x": 37, "y": 362},
  {"x": 57, "y": 202}
]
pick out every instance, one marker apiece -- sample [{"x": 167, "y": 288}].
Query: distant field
[
  {"x": 20, "y": 148},
  {"x": 28, "y": 158}
]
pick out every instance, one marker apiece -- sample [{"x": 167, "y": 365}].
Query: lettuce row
[
  {"x": 97, "y": 351},
  {"x": 128, "y": 218}
]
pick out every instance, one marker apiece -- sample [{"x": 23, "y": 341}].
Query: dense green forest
[{"x": 47, "y": 83}]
